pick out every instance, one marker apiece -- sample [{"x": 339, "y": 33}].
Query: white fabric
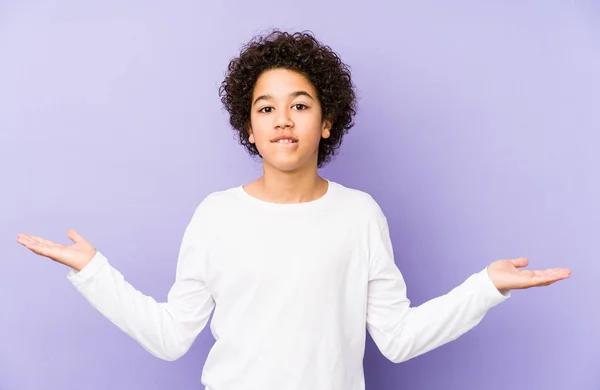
[{"x": 293, "y": 287}]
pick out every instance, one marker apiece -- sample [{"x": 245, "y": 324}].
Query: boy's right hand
[{"x": 75, "y": 256}]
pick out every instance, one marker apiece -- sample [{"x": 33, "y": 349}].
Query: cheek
[
  {"x": 257, "y": 132},
  {"x": 260, "y": 136}
]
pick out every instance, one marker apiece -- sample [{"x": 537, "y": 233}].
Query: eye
[
  {"x": 265, "y": 108},
  {"x": 300, "y": 106}
]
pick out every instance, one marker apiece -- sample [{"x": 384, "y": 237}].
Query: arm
[
  {"x": 402, "y": 332},
  {"x": 165, "y": 329}
]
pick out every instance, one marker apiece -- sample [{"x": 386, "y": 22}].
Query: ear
[
  {"x": 326, "y": 128},
  {"x": 250, "y": 134}
]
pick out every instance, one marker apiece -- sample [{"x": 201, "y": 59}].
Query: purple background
[{"x": 477, "y": 132}]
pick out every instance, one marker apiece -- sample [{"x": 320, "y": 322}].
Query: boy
[{"x": 294, "y": 266}]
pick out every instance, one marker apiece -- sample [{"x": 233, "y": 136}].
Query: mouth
[{"x": 285, "y": 141}]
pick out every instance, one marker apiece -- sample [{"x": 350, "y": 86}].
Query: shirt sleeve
[
  {"x": 402, "y": 332},
  {"x": 165, "y": 329}
]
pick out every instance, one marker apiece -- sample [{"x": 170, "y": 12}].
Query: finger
[
  {"x": 21, "y": 238},
  {"x": 75, "y": 236},
  {"x": 561, "y": 271},
  {"x": 27, "y": 240},
  {"x": 50, "y": 244},
  {"x": 37, "y": 242},
  {"x": 42, "y": 249},
  {"x": 41, "y": 240},
  {"x": 520, "y": 262},
  {"x": 546, "y": 280},
  {"x": 552, "y": 272}
]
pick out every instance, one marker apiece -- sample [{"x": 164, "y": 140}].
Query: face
[{"x": 285, "y": 121}]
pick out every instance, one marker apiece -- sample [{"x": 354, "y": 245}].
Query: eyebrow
[{"x": 293, "y": 94}]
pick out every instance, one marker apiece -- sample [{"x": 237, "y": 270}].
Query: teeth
[{"x": 285, "y": 141}]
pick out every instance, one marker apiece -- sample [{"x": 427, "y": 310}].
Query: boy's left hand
[{"x": 506, "y": 276}]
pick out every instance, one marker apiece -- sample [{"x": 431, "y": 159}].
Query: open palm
[
  {"x": 506, "y": 275},
  {"x": 75, "y": 256}
]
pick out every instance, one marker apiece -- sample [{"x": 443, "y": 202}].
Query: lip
[
  {"x": 287, "y": 145},
  {"x": 280, "y": 137}
]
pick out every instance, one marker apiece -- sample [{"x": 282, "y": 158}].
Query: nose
[{"x": 283, "y": 120}]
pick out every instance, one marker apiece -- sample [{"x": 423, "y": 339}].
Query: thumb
[
  {"x": 75, "y": 236},
  {"x": 520, "y": 262}
]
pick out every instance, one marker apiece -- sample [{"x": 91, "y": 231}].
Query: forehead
[{"x": 280, "y": 82}]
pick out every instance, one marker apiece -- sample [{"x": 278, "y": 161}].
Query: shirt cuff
[
  {"x": 78, "y": 278},
  {"x": 491, "y": 294}
]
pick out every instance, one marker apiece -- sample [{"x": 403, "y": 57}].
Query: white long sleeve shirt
[{"x": 293, "y": 287}]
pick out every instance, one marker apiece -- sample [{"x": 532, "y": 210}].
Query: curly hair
[{"x": 302, "y": 53}]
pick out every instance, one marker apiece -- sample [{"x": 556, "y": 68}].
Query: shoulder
[
  {"x": 215, "y": 205},
  {"x": 358, "y": 201},
  {"x": 219, "y": 199}
]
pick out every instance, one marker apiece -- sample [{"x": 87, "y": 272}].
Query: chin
[{"x": 290, "y": 165}]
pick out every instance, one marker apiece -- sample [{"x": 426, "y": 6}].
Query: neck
[{"x": 291, "y": 187}]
